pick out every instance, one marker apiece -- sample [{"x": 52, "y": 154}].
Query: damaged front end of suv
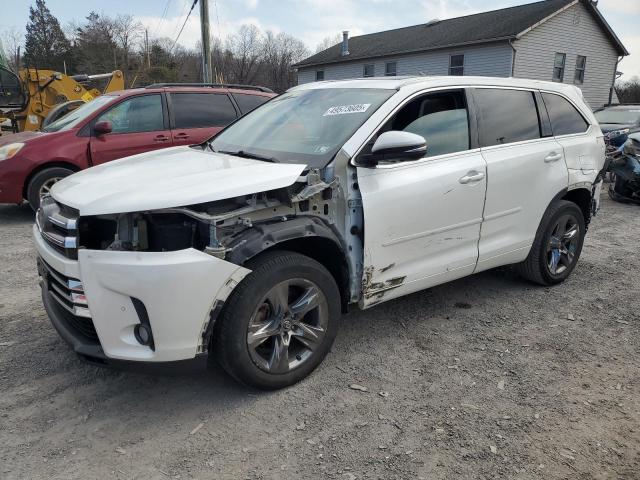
[{"x": 251, "y": 240}]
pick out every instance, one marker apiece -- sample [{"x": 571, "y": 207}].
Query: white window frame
[
  {"x": 364, "y": 70},
  {"x": 578, "y": 76},
  {"x": 457, "y": 67},
  {"x": 395, "y": 69},
  {"x": 321, "y": 72},
  {"x": 562, "y": 67}
]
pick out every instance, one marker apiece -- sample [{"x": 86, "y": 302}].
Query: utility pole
[
  {"x": 146, "y": 47},
  {"x": 206, "y": 41}
]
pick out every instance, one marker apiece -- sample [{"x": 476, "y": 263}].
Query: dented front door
[{"x": 422, "y": 223}]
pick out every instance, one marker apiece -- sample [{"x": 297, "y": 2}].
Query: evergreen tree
[{"x": 46, "y": 46}]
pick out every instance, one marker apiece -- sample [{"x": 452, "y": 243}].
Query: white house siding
[
  {"x": 574, "y": 32},
  {"x": 493, "y": 60}
]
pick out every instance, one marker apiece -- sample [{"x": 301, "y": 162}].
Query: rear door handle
[
  {"x": 161, "y": 138},
  {"x": 552, "y": 157},
  {"x": 181, "y": 136},
  {"x": 471, "y": 176}
]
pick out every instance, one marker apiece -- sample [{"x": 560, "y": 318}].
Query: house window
[
  {"x": 319, "y": 75},
  {"x": 581, "y": 63},
  {"x": 558, "y": 67},
  {"x": 390, "y": 69},
  {"x": 368, "y": 70},
  {"x": 456, "y": 65}
]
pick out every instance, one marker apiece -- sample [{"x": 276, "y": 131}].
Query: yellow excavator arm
[{"x": 42, "y": 90}]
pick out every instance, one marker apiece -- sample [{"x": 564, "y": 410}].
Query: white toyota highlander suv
[{"x": 247, "y": 248}]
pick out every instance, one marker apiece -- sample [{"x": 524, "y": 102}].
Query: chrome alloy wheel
[
  {"x": 46, "y": 186},
  {"x": 288, "y": 326},
  {"x": 563, "y": 244}
]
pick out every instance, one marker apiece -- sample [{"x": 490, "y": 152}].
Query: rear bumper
[{"x": 97, "y": 302}]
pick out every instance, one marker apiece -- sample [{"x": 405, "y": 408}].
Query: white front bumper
[{"x": 177, "y": 288}]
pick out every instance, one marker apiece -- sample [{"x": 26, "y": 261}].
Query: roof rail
[{"x": 212, "y": 85}]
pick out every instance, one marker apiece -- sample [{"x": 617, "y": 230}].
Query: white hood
[{"x": 167, "y": 178}]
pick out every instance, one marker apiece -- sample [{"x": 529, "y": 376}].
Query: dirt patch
[{"x": 486, "y": 377}]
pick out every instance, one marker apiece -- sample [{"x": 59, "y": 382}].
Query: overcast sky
[{"x": 310, "y": 20}]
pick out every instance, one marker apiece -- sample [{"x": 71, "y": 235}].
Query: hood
[
  {"x": 170, "y": 177},
  {"x": 23, "y": 137}
]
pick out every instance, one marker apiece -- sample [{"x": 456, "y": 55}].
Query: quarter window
[
  {"x": 197, "y": 110},
  {"x": 319, "y": 75},
  {"x": 137, "y": 114},
  {"x": 506, "y": 116},
  {"x": 368, "y": 70},
  {"x": 390, "y": 69},
  {"x": 456, "y": 65},
  {"x": 565, "y": 119},
  {"x": 248, "y": 102},
  {"x": 558, "y": 67},
  {"x": 581, "y": 64}
]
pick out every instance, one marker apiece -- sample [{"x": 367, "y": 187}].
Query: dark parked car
[
  {"x": 618, "y": 121},
  {"x": 118, "y": 125},
  {"x": 625, "y": 171}
]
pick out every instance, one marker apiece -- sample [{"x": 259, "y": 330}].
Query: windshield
[
  {"x": 302, "y": 126},
  {"x": 623, "y": 117},
  {"x": 76, "y": 116}
]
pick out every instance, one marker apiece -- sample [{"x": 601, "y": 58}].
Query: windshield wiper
[{"x": 245, "y": 154}]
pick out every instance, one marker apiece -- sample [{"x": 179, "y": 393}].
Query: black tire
[
  {"x": 40, "y": 180},
  {"x": 536, "y": 267},
  {"x": 230, "y": 343}
]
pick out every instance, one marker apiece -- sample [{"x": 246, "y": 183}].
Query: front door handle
[
  {"x": 471, "y": 176},
  {"x": 181, "y": 136},
  {"x": 552, "y": 157},
  {"x": 161, "y": 138}
]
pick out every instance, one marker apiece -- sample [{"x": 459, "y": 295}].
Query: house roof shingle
[{"x": 482, "y": 27}]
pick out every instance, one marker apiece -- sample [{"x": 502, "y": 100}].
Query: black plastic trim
[{"x": 143, "y": 316}]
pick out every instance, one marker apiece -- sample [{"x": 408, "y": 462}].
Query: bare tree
[
  {"x": 328, "y": 42},
  {"x": 246, "y": 46},
  {"x": 280, "y": 52},
  {"x": 126, "y": 31},
  {"x": 628, "y": 91},
  {"x": 12, "y": 40}
]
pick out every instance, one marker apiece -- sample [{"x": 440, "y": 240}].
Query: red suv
[{"x": 118, "y": 125}]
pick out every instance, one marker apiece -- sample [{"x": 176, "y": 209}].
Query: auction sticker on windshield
[{"x": 342, "y": 109}]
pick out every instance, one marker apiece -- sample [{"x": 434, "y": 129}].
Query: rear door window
[
  {"x": 506, "y": 116},
  {"x": 565, "y": 119},
  {"x": 248, "y": 102},
  {"x": 199, "y": 110}
]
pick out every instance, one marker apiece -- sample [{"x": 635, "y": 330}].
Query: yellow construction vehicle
[{"x": 34, "y": 98}]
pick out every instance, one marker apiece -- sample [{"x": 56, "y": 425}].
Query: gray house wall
[
  {"x": 574, "y": 32},
  {"x": 492, "y": 60}
]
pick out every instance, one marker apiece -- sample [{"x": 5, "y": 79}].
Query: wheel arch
[
  {"x": 582, "y": 198},
  {"x": 45, "y": 166},
  {"x": 308, "y": 236}
]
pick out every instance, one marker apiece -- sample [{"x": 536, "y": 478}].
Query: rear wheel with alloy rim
[
  {"x": 557, "y": 245},
  {"x": 279, "y": 323}
]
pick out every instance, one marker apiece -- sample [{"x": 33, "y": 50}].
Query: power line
[
  {"x": 164, "y": 14},
  {"x": 183, "y": 25}
]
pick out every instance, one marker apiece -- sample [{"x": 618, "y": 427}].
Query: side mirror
[
  {"x": 103, "y": 127},
  {"x": 398, "y": 145}
]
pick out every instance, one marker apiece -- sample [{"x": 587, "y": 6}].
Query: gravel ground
[{"x": 485, "y": 377}]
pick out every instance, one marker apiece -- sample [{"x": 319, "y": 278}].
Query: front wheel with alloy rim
[
  {"x": 42, "y": 182},
  {"x": 279, "y": 323},
  {"x": 557, "y": 245}
]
